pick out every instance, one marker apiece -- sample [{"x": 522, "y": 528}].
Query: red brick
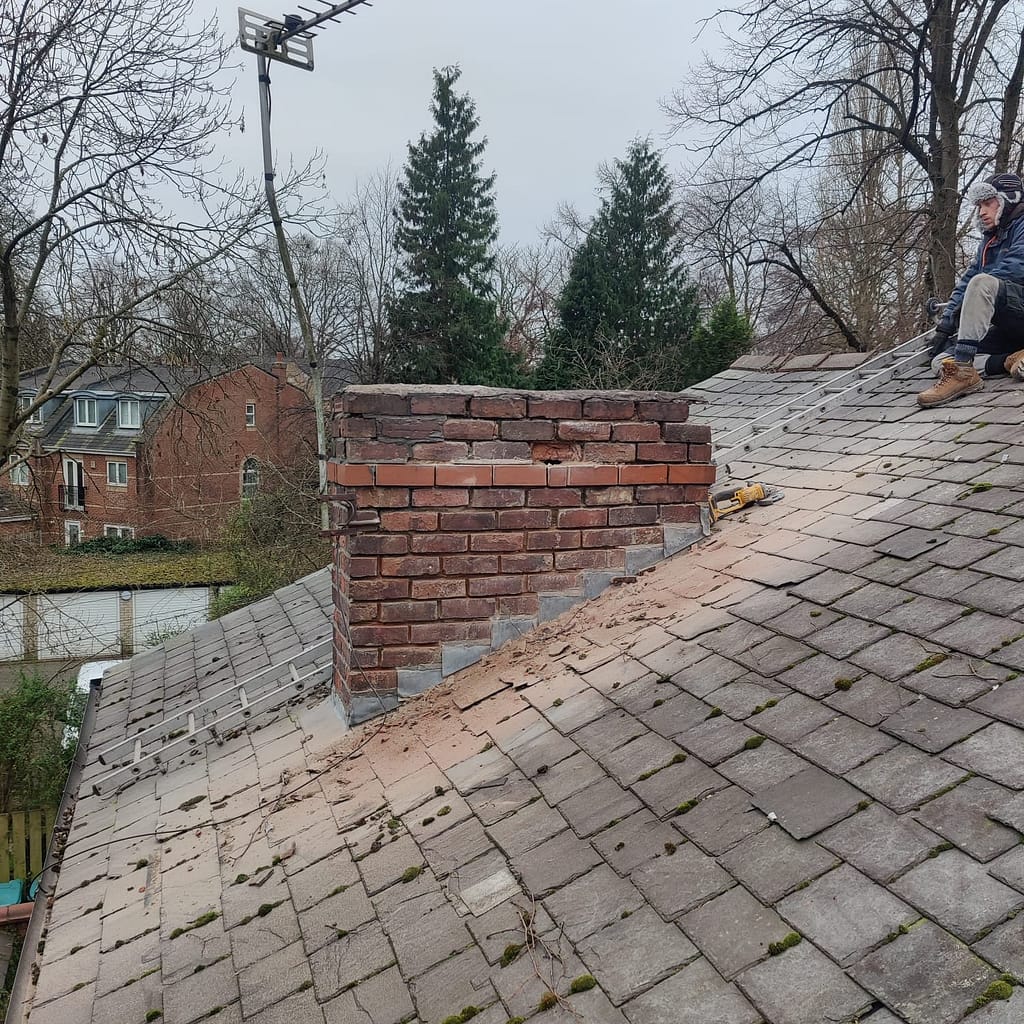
[
  {"x": 609, "y": 538},
  {"x": 455, "y": 521},
  {"x": 691, "y": 474},
  {"x": 375, "y": 682},
  {"x": 502, "y": 542},
  {"x": 700, "y": 453},
  {"x": 663, "y": 452},
  {"x": 679, "y": 514},
  {"x": 440, "y": 451},
  {"x": 407, "y": 522},
  {"x": 356, "y": 426},
  {"x": 497, "y": 497},
  {"x": 408, "y": 611},
  {"x": 378, "y": 589},
  {"x": 674, "y": 412},
  {"x": 616, "y": 452},
  {"x": 583, "y": 430},
  {"x": 490, "y": 586},
  {"x": 439, "y": 543},
  {"x": 360, "y": 568},
  {"x": 657, "y": 495},
  {"x": 520, "y": 476},
  {"x": 696, "y": 492},
  {"x": 693, "y": 433},
  {"x": 558, "y": 476},
  {"x": 410, "y": 428},
  {"x": 378, "y": 544},
  {"x": 636, "y": 432},
  {"x": 405, "y": 476},
  {"x": 591, "y": 476},
  {"x": 656, "y": 474},
  {"x": 648, "y": 535},
  {"x": 520, "y": 604},
  {"x": 447, "y": 632},
  {"x": 552, "y": 540},
  {"x": 440, "y": 497},
  {"x": 556, "y": 451},
  {"x": 554, "y": 497},
  {"x": 609, "y": 408},
  {"x": 409, "y": 657},
  {"x": 468, "y": 608},
  {"x": 438, "y": 405},
  {"x": 350, "y": 476},
  {"x": 585, "y": 558},
  {"x": 378, "y": 636},
  {"x": 470, "y": 430},
  {"x": 375, "y": 403},
  {"x": 544, "y": 582},
  {"x": 498, "y": 407},
  {"x": 411, "y": 565},
  {"x": 469, "y": 475},
  {"x": 532, "y": 562},
  {"x": 375, "y": 451},
  {"x": 556, "y": 408},
  {"x": 502, "y": 451},
  {"x": 469, "y": 565},
  {"x": 524, "y": 519},
  {"x": 427, "y": 589},
  {"x": 527, "y": 430},
  {"x": 363, "y": 611},
  {"x": 633, "y": 515},
  {"x": 608, "y": 495},
  {"x": 365, "y": 657},
  {"x": 574, "y": 518},
  {"x": 384, "y": 497}
]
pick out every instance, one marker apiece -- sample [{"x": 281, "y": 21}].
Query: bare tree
[
  {"x": 928, "y": 87},
  {"x": 109, "y": 196},
  {"x": 527, "y": 281}
]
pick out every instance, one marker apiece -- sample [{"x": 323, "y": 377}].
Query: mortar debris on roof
[{"x": 776, "y": 778}]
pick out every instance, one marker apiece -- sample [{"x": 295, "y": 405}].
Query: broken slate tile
[
  {"x": 1009, "y": 868},
  {"x": 772, "y": 864},
  {"x": 1010, "y": 812},
  {"x": 904, "y": 777},
  {"x": 721, "y": 820},
  {"x": 997, "y": 752},
  {"x": 870, "y": 699},
  {"x": 808, "y": 802},
  {"x": 1004, "y": 701},
  {"x": 695, "y": 995},
  {"x": 878, "y": 842},
  {"x": 955, "y": 681},
  {"x": 1004, "y": 946},
  {"x": 454, "y": 983},
  {"x": 963, "y": 817},
  {"x": 926, "y": 975}
]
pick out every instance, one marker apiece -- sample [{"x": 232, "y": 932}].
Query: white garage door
[
  {"x": 78, "y": 625},
  {"x": 161, "y": 613},
  {"x": 12, "y": 628}
]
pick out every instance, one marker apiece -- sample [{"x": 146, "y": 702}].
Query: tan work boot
[
  {"x": 1014, "y": 364},
  {"x": 955, "y": 379}
]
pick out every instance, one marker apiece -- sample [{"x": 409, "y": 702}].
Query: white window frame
[
  {"x": 249, "y": 488},
  {"x": 125, "y": 422},
  {"x": 118, "y": 532},
  {"x": 25, "y": 401},
  {"x": 111, "y": 482},
  {"x": 73, "y": 526},
  {"x": 81, "y": 421},
  {"x": 250, "y": 415},
  {"x": 20, "y": 475}
]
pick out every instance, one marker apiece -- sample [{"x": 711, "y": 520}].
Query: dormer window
[
  {"x": 129, "y": 415},
  {"x": 85, "y": 412},
  {"x": 25, "y": 401}
]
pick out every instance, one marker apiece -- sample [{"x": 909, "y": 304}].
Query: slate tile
[
  {"x": 911, "y": 543},
  {"x": 808, "y": 802},
  {"x": 846, "y": 636},
  {"x": 345, "y": 911},
  {"x": 678, "y": 883},
  {"x": 457, "y": 982},
  {"x": 1003, "y": 700},
  {"x": 775, "y": 655},
  {"x": 931, "y": 726},
  {"x": 771, "y": 863},
  {"x": 455, "y": 847},
  {"x": 721, "y": 820},
  {"x": 1000, "y": 1011},
  {"x": 489, "y": 804},
  {"x": 993, "y": 595},
  {"x": 521, "y": 984},
  {"x": 508, "y": 924},
  {"x": 609, "y": 733},
  {"x": 946, "y": 584},
  {"x": 842, "y": 744},
  {"x": 568, "y": 777},
  {"x": 597, "y": 807},
  {"x": 802, "y": 986},
  {"x": 591, "y": 902},
  {"x": 895, "y": 656},
  {"x": 480, "y": 770},
  {"x": 920, "y": 615},
  {"x": 670, "y": 714},
  {"x": 733, "y": 930},
  {"x": 708, "y": 675},
  {"x": 870, "y": 600},
  {"x": 826, "y": 587},
  {"x": 1003, "y": 947},
  {"x": 636, "y": 839},
  {"x": 961, "y": 552},
  {"x": 716, "y": 739},
  {"x": 1005, "y": 563},
  {"x": 542, "y": 746},
  {"x": 955, "y": 681},
  {"x": 927, "y": 976},
  {"x": 527, "y": 828},
  {"x": 757, "y": 769},
  {"x": 578, "y": 710},
  {"x": 386, "y": 993},
  {"x": 1009, "y": 868},
  {"x": 958, "y": 893},
  {"x": 635, "y": 953},
  {"x": 794, "y": 716},
  {"x": 878, "y": 842},
  {"x": 695, "y": 995},
  {"x": 664, "y": 791},
  {"x": 766, "y": 605},
  {"x": 816, "y": 677},
  {"x": 997, "y": 752},
  {"x": 886, "y": 569},
  {"x": 802, "y": 620},
  {"x": 1010, "y": 812},
  {"x": 870, "y": 699},
  {"x": 904, "y": 777},
  {"x": 424, "y": 930},
  {"x": 673, "y": 657},
  {"x": 648, "y": 752},
  {"x": 550, "y": 865},
  {"x": 269, "y": 980}
]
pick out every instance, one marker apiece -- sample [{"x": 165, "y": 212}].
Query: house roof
[{"x": 776, "y": 778}]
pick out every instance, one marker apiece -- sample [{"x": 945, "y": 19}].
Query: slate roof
[{"x": 811, "y": 726}]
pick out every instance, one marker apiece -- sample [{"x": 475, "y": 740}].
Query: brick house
[{"x": 130, "y": 451}]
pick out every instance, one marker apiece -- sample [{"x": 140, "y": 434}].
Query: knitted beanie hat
[{"x": 1007, "y": 188}]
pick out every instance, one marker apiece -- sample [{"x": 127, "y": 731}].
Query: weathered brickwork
[{"x": 497, "y": 510}]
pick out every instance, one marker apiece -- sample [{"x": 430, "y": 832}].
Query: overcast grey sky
[{"x": 560, "y": 86}]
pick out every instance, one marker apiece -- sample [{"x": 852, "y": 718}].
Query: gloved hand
[{"x": 942, "y": 337}]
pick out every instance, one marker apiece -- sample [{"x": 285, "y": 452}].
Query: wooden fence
[{"x": 24, "y": 838}]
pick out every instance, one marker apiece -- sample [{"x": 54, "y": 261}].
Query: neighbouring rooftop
[{"x": 777, "y": 778}]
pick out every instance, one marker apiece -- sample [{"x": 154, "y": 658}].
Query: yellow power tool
[{"x": 731, "y": 499}]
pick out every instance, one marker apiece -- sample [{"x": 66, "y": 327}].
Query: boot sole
[{"x": 980, "y": 386}]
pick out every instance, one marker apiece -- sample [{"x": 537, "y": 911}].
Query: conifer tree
[
  {"x": 721, "y": 341},
  {"x": 445, "y": 320},
  {"x": 627, "y": 312}
]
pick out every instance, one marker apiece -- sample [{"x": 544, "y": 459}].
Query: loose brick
[
  {"x": 555, "y": 451},
  {"x": 468, "y": 608},
  {"x": 554, "y": 497},
  {"x": 469, "y": 565},
  {"x": 410, "y": 657},
  {"x": 680, "y": 513},
  {"x": 695, "y": 433},
  {"x": 375, "y": 404},
  {"x": 583, "y": 430},
  {"x": 633, "y": 515},
  {"x": 520, "y": 476},
  {"x": 663, "y": 452},
  {"x": 655, "y": 494},
  {"x": 379, "y": 544},
  {"x": 448, "y": 632},
  {"x": 527, "y": 430},
  {"x": 412, "y": 428},
  {"x": 608, "y": 495},
  {"x": 498, "y": 407},
  {"x": 525, "y": 562},
  {"x": 351, "y": 476},
  {"x": 376, "y": 451},
  {"x": 439, "y": 543},
  {"x": 552, "y": 540},
  {"x": 440, "y": 588},
  {"x": 470, "y": 475},
  {"x": 616, "y": 452},
  {"x": 440, "y": 451},
  {"x": 492, "y": 586},
  {"x": 668, "y": 412},
  {"x": 524, "y": 519},
  {"x": 575, "y": 518},
  {"x": 439, "y": 405},
  {"x": 654, "y": 474},
  {"x": 440, "y": 497},
  {"x": 556, "y": 408},
  {"x": 502, "y": 451},
  {"x": 545, "y": 582},
  {"x": 408, "y": 611},
  {"x": 691, "y": 474},
  {"x": 469, "y": 521},
  {"x": 584, "y": 558},
  {"x": 606, "y": 538},
  {"x": 636, "y": 432},
  {"x": 497, "y": 497},
  {"x": 378, "y": 636},
  {"x": 405, "y": 476},
  {"x": 470, "y": 430},
  {"x": 408, "y": 522},
  {"x": 501, "y": 542},
  {"x": 520, "y": 604},
  {"x": 378, "y": 589},
  {"x": 410, "y": 565},
  {"x": 609, "y": 408}
]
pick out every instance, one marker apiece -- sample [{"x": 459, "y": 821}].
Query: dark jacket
[{"x": 1000, "y": 253}]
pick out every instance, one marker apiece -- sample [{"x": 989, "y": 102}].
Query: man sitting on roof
[{"x": 988, "y": 301}]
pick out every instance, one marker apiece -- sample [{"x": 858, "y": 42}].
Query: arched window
[{"x": 250, "y": 478}]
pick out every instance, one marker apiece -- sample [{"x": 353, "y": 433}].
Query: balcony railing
[{"x": 71, "y": 496}]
